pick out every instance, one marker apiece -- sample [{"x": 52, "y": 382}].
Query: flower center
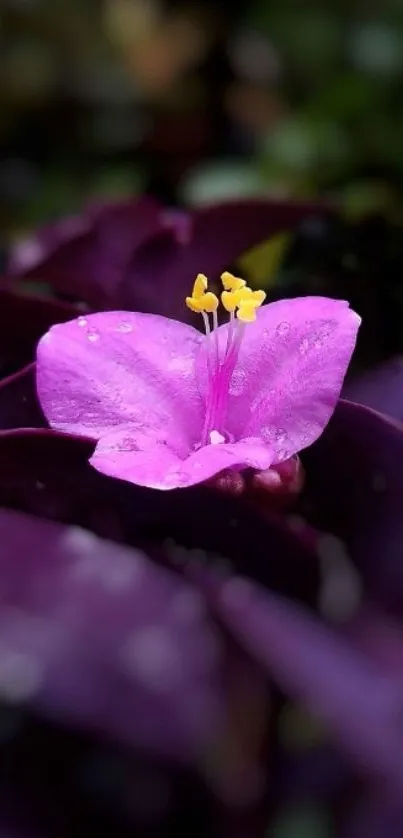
[{"x": 241, "y": 303}]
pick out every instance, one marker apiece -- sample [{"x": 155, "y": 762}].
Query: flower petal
[
  {"x": 157, "y": 465},
  {"x": 107, "y": 370},
  {"x": 290, "y": 370}
]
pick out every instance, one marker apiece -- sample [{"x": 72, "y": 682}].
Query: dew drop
[
  {"x": 93, "y": 335},
  {"x": 125, "y": 327},
  {"x": 216, "y": 438},
  {"x": 82, "y": 321},
  {"x": 266, "y": 432},
  {"x": 280, "y": 436},
  {"x": 322, "y": 333},
  {"x": 283, "y": 328}
]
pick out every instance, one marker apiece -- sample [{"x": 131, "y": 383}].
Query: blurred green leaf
[
  {"x": 118, "y": 181},
  {"x": 377, "y": 48},
  {"x": 261, "y": 264},
  {"x": 304, "y": 822},
  {"x": 363, "y": 197},
  {"x": 220, "y": 180}
]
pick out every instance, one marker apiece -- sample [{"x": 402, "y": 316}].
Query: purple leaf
[
  {"x": 380, "y": 388},
  {"x": 86, "y": 256},
  {"x": 19, "y": 406},
  {"x": 137, "y": 255},
  {"x": 359, "y": 705},
  {"x": 375, "y": 816},
  {"x": 355, "y": 490},
  {"x": 23, "y": 320},
  {"x": 46, "y": 473},
  {"x": 216, "y": 236},
  {"x": 97, "y": 635}
]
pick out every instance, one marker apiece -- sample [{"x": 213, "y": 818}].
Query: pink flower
[{"x": 170, "y": 407}]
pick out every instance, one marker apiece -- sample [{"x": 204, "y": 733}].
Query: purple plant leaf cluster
[
  {"x": 169, "y": 628},
  {"x": 140, "y": 256}
]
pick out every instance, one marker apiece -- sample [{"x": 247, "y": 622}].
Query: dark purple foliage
[
  {"x": 149, "y": 640},
  {"x": 141, "y": 256}
]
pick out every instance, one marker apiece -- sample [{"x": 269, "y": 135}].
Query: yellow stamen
[
  {"x": 229, "y": 301},
  {"x": 202, "y": 300},
  {"x": 236, "y": 297},
  {"x": 259, "y": 296},
  {"x": 200, "y": 286},
  {"x": 210, "y": 302},
  {"x": 194, "y": 304},
  {"x": 231, "y": 282},
  {"x": 247, "y": 311}
]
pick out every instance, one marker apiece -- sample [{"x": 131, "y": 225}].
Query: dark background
[
  {"x": 193, "y": 103},
  {"x": 196, "y": 101}
]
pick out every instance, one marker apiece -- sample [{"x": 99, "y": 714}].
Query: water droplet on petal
[
  {"x": 125, "y": 327},
  {"x": 322, "y": 333},
  {"x": 280, "y": 435},
  {"x": 93, "y": 335},
  {"x": 82, "y": 321},
  {"x": 282, "y": 328},
  {"x": 216, "y": 438},
  {"x": 266, "y": 431}
]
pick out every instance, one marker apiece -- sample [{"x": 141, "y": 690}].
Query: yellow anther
[
  {"x": 229, "y": 301},
  {"x": 236, "y": 295},
  {"x": 231, "y": 282},
  {"x": 206, "y": 302},
  {"x": 232, "y": 300},
  {"x": 201, "y": 299},
  {"x": 195, "y": 304},
  {"x": 247, "y": 311},
  {"x": 248, "y": 304},
  {"x": 259, "y": 296},
  {"x": 209, "y": 302},
  {"x": 200, "y": 286}
]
